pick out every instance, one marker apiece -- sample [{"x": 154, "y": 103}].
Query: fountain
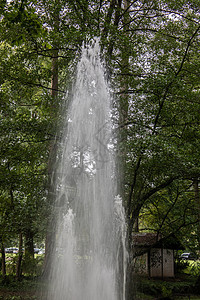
[{"x": 89, "y": 257}]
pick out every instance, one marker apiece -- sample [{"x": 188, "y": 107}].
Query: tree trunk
[
  {"x": 54, "y": 78},
  {"x": 3, "y": 260},
  {"x": 123, "y": 139},
  {"x": 197, "y": 206},
  {"x": 53, "y": 146},
  {"x": 19, "y": 262},
  {"x": 29, "y": 246},
  {"x": 123, "y": 107},
  {"x": 136, "y": 225}
]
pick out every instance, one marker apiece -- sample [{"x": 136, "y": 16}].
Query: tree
[
  {"x": 24, "y": 123},
  {"x": 157, "y": 151},
  {"x": 151, "y": 53}
]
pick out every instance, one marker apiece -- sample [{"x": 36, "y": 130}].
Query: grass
[
  {"x": 141, "y": 296},
  {"x": 181, "y": 287},
  {"x": 187, "y": 298},
  {"x": 25, "y": 289}
]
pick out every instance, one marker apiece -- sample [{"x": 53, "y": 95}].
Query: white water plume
[{"x": 90, "y": 258}]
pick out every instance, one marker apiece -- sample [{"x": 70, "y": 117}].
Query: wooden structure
[{"x": 154, "y": 256}]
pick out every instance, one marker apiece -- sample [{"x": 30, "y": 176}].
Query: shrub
[
  {"x": 181, "y": 265},
  {"x": 166, "y": 291}
]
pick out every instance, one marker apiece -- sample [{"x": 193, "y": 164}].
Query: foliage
[
  {"x": 151, "y": 54},
  {"x": 163, "y": 123},
  {"x": 23, "y": 290},
  {"x": 192, "y": 268},
  {"x": 181, "y": 266},
  {"x": 32, "y": 267},
  {"x": 166, "y": 288}
]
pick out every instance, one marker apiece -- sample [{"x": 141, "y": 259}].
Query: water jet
[{"x": 89, "y": 257}]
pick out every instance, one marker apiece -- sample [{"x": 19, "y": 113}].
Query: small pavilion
[{"x": 154, "y": 255}]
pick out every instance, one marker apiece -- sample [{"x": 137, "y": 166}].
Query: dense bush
[
  {"x": 166, "y": 289},
  {"x": 30, "y": 266}
]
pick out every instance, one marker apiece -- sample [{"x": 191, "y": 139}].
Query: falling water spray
[{"x": 89, "y": 257}]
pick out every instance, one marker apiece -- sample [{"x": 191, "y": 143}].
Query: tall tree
[{"x": 151, "y": 50}]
